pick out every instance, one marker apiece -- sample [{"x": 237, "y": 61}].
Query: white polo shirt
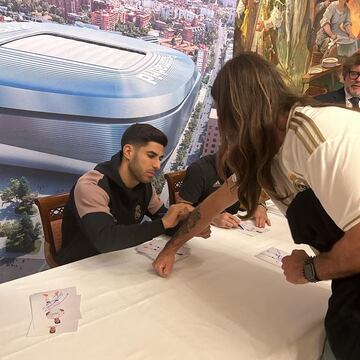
[{"x": 321, "y": 150}]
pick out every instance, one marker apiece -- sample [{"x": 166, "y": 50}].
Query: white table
[{"x": 219, "y": 303}]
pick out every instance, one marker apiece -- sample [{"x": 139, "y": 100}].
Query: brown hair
[
  {"x": 353, "y": 60},
  {"x": 250, "y": 95}
]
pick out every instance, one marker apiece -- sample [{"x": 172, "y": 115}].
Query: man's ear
[{"x": 128, "y": 151}]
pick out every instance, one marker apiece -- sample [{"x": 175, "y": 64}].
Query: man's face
[
  {"x": 352, "y": 81},
  {"x": 145, "y": 161}
]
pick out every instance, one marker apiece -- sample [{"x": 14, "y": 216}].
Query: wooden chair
[
  {"x": 174, "y": 181},
  {"x": 51, "y": 210}
]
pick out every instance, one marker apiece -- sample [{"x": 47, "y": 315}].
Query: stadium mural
[{"x": 75, "y": 74}]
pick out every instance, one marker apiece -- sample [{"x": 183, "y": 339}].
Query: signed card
[
  {"x": 152, "y": 248},
  {"x": 248, "y": 227},
  {"x": 272, "y": 255},
  {"x": 55, "y": 311}
]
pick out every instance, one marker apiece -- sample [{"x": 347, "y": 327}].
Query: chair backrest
[
  {"x": 51, "y": 210},
  {"x": 174, "y": 181}
]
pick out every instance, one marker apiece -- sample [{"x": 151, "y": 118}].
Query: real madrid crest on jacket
[{"x": 88, "y": 222}]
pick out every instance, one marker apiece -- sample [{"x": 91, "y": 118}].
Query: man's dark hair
[
  {"x": 141, "y": 134},
  {"x": 353, "y": 60}
]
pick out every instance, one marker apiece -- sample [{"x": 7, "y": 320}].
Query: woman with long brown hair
[{"x": 305, "y": 156}]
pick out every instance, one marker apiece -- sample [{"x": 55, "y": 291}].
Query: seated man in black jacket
[
  {"x": 201, "y": 180},
  {"x": 107, "y": 205}
]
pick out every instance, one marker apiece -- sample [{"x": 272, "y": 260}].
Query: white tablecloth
[{"x": 219, "y": 303}]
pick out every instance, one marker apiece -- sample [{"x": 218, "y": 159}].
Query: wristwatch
[{"x": 309, "y": 270}]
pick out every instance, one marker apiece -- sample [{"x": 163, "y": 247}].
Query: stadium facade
[{"x": 67, "y": 94}]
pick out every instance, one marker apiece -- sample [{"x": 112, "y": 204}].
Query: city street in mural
[{"x": 75, "y": 74}]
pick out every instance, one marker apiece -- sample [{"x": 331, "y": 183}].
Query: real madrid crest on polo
[
  {"x": 299, "y": 183},
  {"x": 137, "y": 213}
]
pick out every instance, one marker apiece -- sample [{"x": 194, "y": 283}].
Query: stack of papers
[
  {"x": 54, "y": 312},
  {"x": 152, "y": 248}
]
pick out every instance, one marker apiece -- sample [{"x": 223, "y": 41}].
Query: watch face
[{"x": 309, "y": 271}]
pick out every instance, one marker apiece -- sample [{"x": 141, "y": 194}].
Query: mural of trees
[
  {"x": 18, "y": 193},
  {"x": 21, "y": 233}
]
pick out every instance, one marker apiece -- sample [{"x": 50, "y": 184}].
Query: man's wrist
[
  {"x": 171, "y": 246},
  {"x": 309, "y": 270}
]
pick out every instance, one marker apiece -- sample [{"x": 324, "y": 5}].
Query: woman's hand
[{"x": 261, "y": 217}]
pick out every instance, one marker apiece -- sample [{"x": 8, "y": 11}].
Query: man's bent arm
[
  {"x": 105, "y": 235},
  {"x": 201, "y": 217},
  {"x": 343, "y": 259}
]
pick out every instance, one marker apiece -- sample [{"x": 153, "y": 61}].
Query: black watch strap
[{"x": 309, "y": 270}]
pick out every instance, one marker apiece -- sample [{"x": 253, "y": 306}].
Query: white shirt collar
[{"x": 347, "y": 99}]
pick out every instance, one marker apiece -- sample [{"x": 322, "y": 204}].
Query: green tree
[
  {"x": 21, "y": 235},
  {"x": 58, "y": 19},
  {"x": 205, "y": 79},
  {"x": 19, "y": 193},
  {"x": 158, "y": 182},
  {"x": 131, "y": 30},
  {"x": 186, "y": 140},
  {"x": 85, "y": 19}
]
